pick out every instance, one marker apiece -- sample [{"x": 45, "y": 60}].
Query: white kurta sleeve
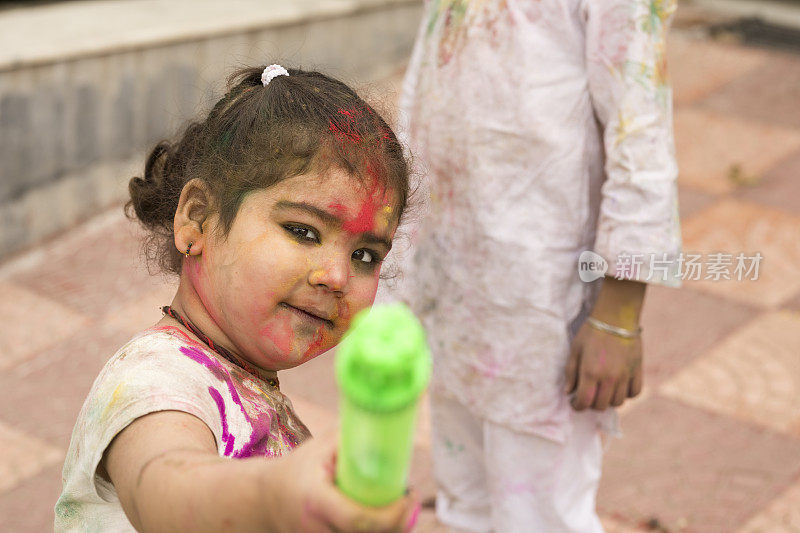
[{"x": 638, "y": 229}]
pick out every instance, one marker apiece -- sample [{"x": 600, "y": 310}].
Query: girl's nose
[{"x": 333, "y": 275}]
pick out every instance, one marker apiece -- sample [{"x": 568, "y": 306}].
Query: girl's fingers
[
  {"x": 636, "y": 383},
  {"x": 604, "y": 394},
  {"x": 585, "y": 393},
  {"x": 571, "y": 372},
  {"x": 411, "y": 517},
  {"x": 620, "y": 394},
  {"x": 345, "y": 515}
]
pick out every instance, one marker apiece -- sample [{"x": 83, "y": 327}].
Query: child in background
[
  {"x": 544, "y": 130},
  {"x": 276, "y": 212}
]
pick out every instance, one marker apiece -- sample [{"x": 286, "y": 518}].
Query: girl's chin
[{"x": 285, "y": 361}]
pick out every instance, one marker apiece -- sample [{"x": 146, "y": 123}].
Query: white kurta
[{"x": 540, "y": 129}]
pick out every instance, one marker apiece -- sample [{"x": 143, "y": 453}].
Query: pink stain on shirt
[
  {"x": 520, "y": 487},
  {"x": 262, "y": 425},
  {"x": 226, "y": 437}
]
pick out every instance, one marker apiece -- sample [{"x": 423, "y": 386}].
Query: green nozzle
[
  {"x": 382, "y": 366},
  {"x": 383, "y": 362}
]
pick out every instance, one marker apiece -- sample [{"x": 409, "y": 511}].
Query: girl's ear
[{"x": 194, "y": 208}]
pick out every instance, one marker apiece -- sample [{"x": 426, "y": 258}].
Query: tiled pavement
[{"x": 713, "y": 445}]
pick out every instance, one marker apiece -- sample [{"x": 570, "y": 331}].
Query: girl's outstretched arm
[{"x": 169, "y": 477}]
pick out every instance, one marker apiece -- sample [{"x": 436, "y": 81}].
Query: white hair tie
[{"x": 272, "y": 72}]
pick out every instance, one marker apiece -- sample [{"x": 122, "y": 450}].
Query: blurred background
[{"x": 712, "y": 444}]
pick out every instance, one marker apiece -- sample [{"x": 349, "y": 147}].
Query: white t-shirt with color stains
[{"x": 162, "y": 369}]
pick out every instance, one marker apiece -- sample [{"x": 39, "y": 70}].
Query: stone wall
[{"x": 75, "y": 125}]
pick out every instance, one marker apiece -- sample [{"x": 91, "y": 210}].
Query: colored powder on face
[
  {"x": 365, "y": 219},
  {"x": 282, "y": 335},
  {"x": 194, "y": 267},
  {"x": 374, "y": 292},
  {"x": 339, "y": 210},
  {"x": 199, "y": 284},
  {"x": 316, "y": 343},
  {"x": 343, "y": 310}
]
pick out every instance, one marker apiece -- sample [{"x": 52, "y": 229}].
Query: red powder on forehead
[
  {"x": 364, "y": 220},
  {"x": 338, "y": 209},
  {"x": 346, "y": 128}
]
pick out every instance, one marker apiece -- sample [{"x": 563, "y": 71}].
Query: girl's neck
[{"x": 187, "y": 304}]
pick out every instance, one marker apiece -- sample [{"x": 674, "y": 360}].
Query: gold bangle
[{"x": 614, "y": 330}]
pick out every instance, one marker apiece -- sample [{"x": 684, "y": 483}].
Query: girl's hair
[{"x": 257, "y": 136}]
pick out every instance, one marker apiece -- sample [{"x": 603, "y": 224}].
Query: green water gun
[{"x": 382, "y": 367}]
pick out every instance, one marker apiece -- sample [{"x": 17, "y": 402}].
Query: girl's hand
[
  {"x": 310, "y": 501},
  {"x": 603, "y": 369}
]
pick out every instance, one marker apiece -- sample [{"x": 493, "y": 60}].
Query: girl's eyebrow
[
  {"x": 325, "y": 216},
  {"x": 330, "y": 219}
]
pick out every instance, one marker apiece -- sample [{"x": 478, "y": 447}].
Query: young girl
[{"x": 276, "y": 212}]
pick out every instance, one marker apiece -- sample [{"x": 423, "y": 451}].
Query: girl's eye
[
  {"x": 365, "y": 255},
  {"x": 302, "y": 233}
]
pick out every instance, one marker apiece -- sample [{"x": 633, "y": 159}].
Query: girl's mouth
[{"x": 308, "y": 314}]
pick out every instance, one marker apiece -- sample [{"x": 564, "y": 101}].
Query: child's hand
[
  {"x": 311, "y": 502},
  {"x": 603, "y": 369}
]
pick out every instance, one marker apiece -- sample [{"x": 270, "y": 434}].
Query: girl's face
[{"x": 301, "y": 258}]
